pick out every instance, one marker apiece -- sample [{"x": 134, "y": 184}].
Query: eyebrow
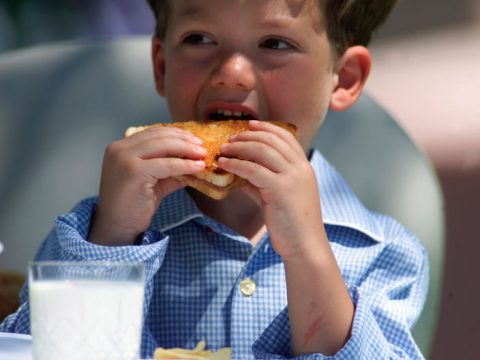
[
  {"x": 277, "y": 22},
  {"x": 196, "y": 12}
]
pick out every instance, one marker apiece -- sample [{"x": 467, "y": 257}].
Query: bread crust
[{"x": 213, "y": 134}]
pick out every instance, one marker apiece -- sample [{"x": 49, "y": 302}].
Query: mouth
[
  {"x": 220, "y": 115},
  {"x": 231, "y": 112}
]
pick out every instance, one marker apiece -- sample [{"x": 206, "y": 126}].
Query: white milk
[{"x": 86, "y": 319}]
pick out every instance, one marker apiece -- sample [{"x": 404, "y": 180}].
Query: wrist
[
  {"x": 313, "y": 247},
  {"x": 106, "y": 234}
]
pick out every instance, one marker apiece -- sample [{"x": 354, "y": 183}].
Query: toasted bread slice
[{"x": 213, "y": 181}]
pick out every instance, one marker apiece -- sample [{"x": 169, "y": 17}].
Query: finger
[
  {"x": 268, "y": 139},
  {"x": 167, "y": 167},
  {"x": 253, "y": 193},
  {"x": 165, "y": 187},
  {"x": 161, "y": 132},
  {"x": 257, "y": 152},
  {"x": 279, "y": 131},
  {"x": 255, "y": 174},
  {"x": 168, "y": 147}
]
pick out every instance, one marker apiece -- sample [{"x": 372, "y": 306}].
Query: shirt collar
[
  {"x": 175, "y": 210},
  {"x": 340, "y": 206}
]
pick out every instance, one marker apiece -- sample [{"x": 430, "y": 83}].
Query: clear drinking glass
[{"x": 81, "y": 310}]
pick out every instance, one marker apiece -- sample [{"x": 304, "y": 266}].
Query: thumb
[
  {"x": 166, "y": 187},
  {"x": 253, "y": 193}
]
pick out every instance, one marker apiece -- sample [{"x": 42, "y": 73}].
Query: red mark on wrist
[{"x": 312, "y": 330}]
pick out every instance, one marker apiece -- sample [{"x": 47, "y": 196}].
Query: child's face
[{"x": 270, "y": 59}]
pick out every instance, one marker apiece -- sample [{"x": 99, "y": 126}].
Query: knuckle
[
  {"x": 130, "y": 168},
  {"x": 289, "y": 135},
  {"x": 114, "y": 155},
  {"x": 156, "y": 131},
  {"x": 113, "y": 148},
  {"x": 271, "y": 138},
  {"x": 170, "y": 165},
  {"x": 259, "y": 148},
  {"x": 252, "y": 169}
]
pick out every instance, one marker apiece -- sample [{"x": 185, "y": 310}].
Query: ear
[
  {"x": 158, "y": 62},
  {"x": 352, "y": 72}
]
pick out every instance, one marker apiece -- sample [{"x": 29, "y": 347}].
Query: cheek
[
  {"x": 181, "y": 92},
  {"x": 300, "y": 97},
  {"x": 305, "y": 86}
]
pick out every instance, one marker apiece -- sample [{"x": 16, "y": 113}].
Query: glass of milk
[{"x": 86, "y": 310}]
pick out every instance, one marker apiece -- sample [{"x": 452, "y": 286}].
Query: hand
[
  {"x": 281, "y": 181},
  {"x": 137, "y": 174}
]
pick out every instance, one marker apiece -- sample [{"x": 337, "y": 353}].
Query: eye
[
  {"x": 276, "y": 44},
  {"x": 198, "y": 39}
]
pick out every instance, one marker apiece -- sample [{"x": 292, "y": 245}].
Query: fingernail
[
  {"x": 197, "y": 140},
  {"x": 254, "y": 122},
  {"x": 223, "y": 147},
  {"x": 200, "y": 163},
  {"x": 201, "y": 149}
]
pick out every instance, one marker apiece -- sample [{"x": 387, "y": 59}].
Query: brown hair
[
  {"x": 352, "y": 22},
  {"x": 160, "y": 10},
  {"x": 349, "y": 22}
]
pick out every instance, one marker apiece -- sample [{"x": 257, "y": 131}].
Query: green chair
[{"x": 61, "y": 104}]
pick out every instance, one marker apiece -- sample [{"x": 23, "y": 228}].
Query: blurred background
[
  {"x": 426, "y": 73},
  {"x": 28, "y": 22}
]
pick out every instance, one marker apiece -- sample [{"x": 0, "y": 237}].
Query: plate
[{"x": 15, "y": 347}]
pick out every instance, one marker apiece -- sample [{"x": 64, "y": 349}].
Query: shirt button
[{"x": 247, "y": 287}]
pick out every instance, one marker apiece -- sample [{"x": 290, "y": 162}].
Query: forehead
[{"x": 264, "y": 10}]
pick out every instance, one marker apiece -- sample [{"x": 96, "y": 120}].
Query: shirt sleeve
[
  {"x": 68, "y": 242},
  {"x": 388, "y": 299}
]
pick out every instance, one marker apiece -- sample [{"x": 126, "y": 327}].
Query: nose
[{"x": 234, "y": 72}]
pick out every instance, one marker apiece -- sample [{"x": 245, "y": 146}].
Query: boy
[{"x": 289, "y": 265}]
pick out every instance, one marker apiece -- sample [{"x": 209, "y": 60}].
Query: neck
[{"x": 237, "y": 211}]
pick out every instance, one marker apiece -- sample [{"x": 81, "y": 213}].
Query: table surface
[{"x": 15, "y": 346}]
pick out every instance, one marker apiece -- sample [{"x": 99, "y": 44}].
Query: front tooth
[
  {"x": 227, "y": 113},
  {"x": 237, "y": 113}
]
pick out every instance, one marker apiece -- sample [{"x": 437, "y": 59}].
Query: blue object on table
[{"x": 15, "y": 347}]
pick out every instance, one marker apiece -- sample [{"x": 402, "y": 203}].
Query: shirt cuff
[
  {"x": 366, "y": 340},
  {"x": 72, "y": 232}
]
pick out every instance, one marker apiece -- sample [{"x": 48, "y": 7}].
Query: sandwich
[{"x": 212, "y": 181}]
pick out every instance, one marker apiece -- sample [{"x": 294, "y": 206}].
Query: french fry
[{"x": 199, "y": 353}]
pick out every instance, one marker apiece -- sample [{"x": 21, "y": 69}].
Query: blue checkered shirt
[{"x": 194, "y": 266}]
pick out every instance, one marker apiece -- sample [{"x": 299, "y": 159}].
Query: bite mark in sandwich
[{"x": 212, "y": 181}]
